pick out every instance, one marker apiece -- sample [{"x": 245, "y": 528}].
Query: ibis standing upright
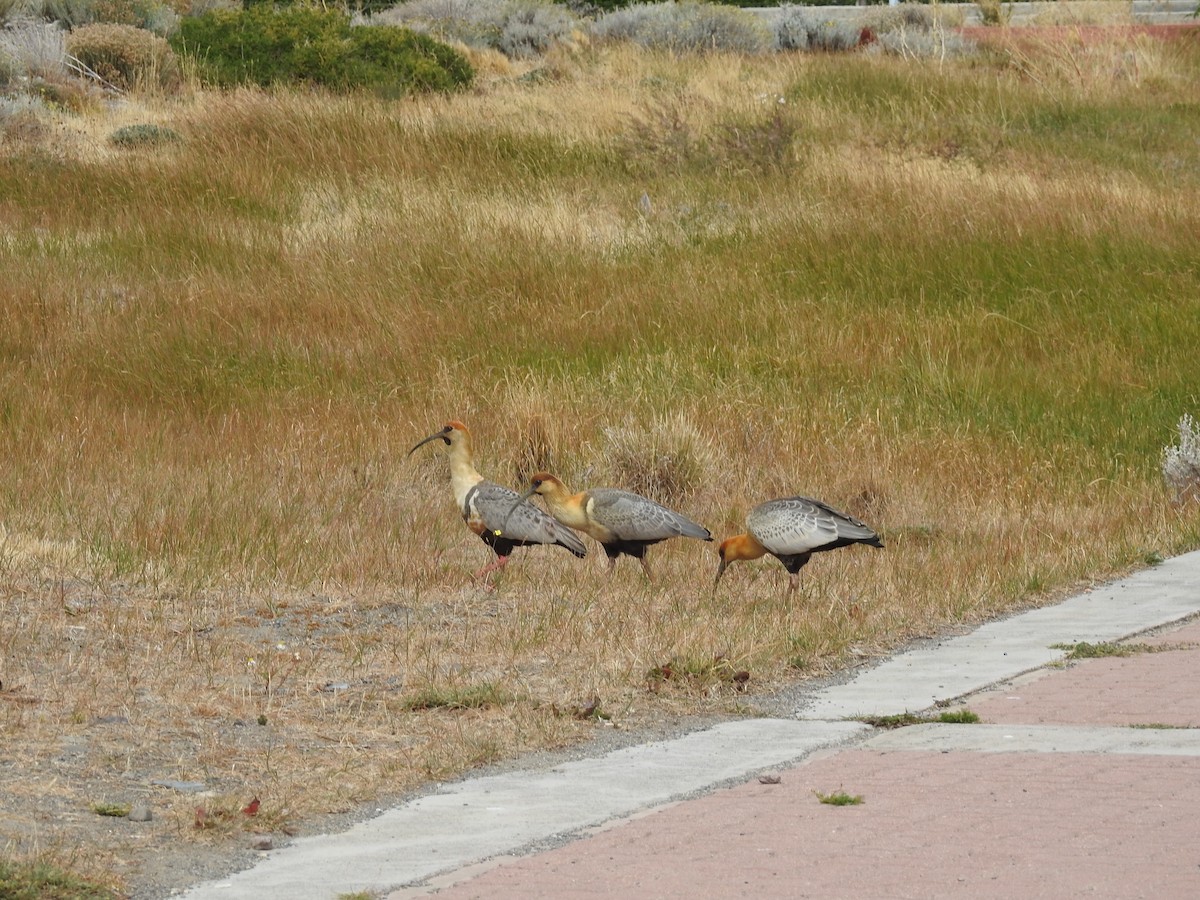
[
  {"x": 486, "y": 507},
  {"x": 623, "y": 522},
  {"x": 792, "y": 529}
]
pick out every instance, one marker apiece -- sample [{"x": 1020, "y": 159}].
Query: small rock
[
  {"x": 264, "y": 843},
  {"x": 140, "y": 812},
  {"x": 769, "y": 779}
]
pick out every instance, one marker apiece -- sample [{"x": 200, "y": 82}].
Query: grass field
[{"x": 959, "y": 299}]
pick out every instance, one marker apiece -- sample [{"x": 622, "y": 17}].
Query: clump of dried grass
[{"x": 669, "y": 460}]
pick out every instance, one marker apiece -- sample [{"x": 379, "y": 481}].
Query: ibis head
[
  {"x": 450, "y": 433},
  {"x": 737, "y": 548}
]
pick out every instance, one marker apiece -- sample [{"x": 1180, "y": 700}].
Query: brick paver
[
  {"x": 931, "y": 825},
  {"x": 955, "y": 824}
]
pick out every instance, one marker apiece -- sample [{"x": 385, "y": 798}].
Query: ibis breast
[
  {"x": 794, "y": 525},
  {"x": 632, "y": 517}
]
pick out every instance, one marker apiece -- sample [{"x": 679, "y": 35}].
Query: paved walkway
[{"x": 1080, "y": 780}]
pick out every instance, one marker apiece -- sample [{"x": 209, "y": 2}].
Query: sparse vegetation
[
  {"x": 955, "y": 304},
  {"x": 905, "y": 719},
  {"x": 1085, "y": 650},
  {"x": 840, "y": 798},
  {"x": 958, "y": 717}
]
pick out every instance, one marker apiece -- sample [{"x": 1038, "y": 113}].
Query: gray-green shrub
[
  {"x": 688, "y": 26},
  {"x": 1181, "y": 464},
  {"x": 34, "y": 48},
  {"x": 516, "y": 28},
  {"x": 797, "y": 28},
  {"x": 143, "y": 135}
]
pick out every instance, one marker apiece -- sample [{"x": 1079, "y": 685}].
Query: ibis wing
[
  {"x": 488, "y": 504},
  {"x": 632, "y": 517},
  {"x": 800, "y": 524}
]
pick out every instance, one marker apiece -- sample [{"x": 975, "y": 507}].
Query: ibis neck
[
  {"x": 568, "y": 508},
  {"x": 463, "y": 475}
]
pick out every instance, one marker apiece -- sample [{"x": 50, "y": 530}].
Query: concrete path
[{"x": 1054, "y": 795}]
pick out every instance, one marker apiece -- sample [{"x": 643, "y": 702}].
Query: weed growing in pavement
[
  {"x": 840, "y": 798},
  {"x": 1085, "y": 650}
]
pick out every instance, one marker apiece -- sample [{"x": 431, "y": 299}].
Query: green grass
[
  {"x": 40, "y": 880},
  {"x": 840, "y": 798},
  {"x": 1085, "y": 650},
  {"x": 905, "y": 719}
]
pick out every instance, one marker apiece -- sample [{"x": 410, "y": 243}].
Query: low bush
[
  {"x": 690, "y": 26},
  {"x": 265, "y": 45},
  {"x": 143, "y": 135},
  {"x": 516, "y": 28},
  {"x": 1181, "y": 464},
  {"x": 125, "y": 56},
  {"x": 154, "y": 15},
  {"x": 34, "y": 48},
  {"x": 797, "y": 28}
]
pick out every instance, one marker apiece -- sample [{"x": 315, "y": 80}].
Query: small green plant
[
  {"x": 959, "y": 717},
  {"x": 1085, "y": 650},
  {"x": 840, "y": 798},
  {"x": 112, "y": 810},
  {"x": 476, "y": 696},
  {"x": 898, "y": 720},
  {"x": 143, "y": 135}
]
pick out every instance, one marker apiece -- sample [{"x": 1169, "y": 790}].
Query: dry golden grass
[{"x": 970, "y": 333}]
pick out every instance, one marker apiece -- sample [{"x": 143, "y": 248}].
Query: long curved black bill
[{"x": 433, "y": 437}]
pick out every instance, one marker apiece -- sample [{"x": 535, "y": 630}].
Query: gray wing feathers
[
  {"x": 633, "y": 517},
  {"x": 799, "y": 524},
  {"x": 491, "y": 502}
]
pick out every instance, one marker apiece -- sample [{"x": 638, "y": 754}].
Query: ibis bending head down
[
  {"x": 623, "y": 522},
  {"x": 792, "y": 529},
  {"x": 498, "y": 515}
]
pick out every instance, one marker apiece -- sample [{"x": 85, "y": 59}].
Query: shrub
[
  {"x": 143, "y": 135},
  {"x": 34, "y": 48},
  {"x": 796, "y": 28},
  {"x": 149, "y": 14},
  {"x": 517, "y": 28},
  {"x": 124, "y": 56},
  {"x": 935, "y": 43},
  {"x": 1181, "y": 464},
  {"x": 689, "y": 26},
  {"x": 265, "y": 45}
]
